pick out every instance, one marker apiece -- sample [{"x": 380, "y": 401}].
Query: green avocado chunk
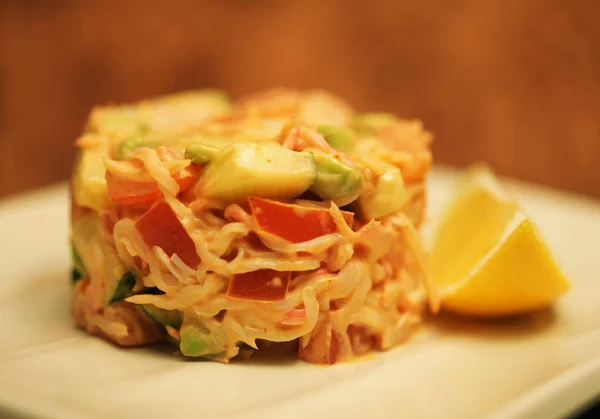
[
  {"x": 370, "y": 123},
  {"x": 194, "y": 341},
  {"x": 339, "y": 137},
  {"x": 88, "y": 182},
  {"x": 241, "y": 170},
  {"x": 78, "y": 271},
  {"x": 76, "y": 260},
  {"x": 96, "y": 255},
  {"x": 124, "y": 287},
  {"x": 171, "y": 318},
  {"x": 126, "y": 147},
  {"x": 197, "y": 340},
  {"x": 388, "y": 197},
  {"x": 336, "y": 180},
  {"x": 162, "y": 113},
  {"x": 201, "y": 153}
]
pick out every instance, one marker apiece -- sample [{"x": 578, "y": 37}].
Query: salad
[{"x": 283, "y": 219}]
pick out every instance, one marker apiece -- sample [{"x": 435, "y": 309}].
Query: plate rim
[{"x": 564, "y": 394}]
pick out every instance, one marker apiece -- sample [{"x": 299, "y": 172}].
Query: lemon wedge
[{"x": 489, "y": 259}]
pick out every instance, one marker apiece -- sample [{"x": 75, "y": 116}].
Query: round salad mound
[{"x": 284, "y": 219}]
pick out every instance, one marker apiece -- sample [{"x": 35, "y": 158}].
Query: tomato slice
[
  {"x": 292, "y": 222},
  {"x": 159, "y": 226},
  {"x": 127, "y": 191},
  {"x": 262, "y": 285}
]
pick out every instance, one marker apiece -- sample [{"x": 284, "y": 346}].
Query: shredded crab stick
[
  {"x": 285, "y": 217},
  {"x": 129, "y": 183}
]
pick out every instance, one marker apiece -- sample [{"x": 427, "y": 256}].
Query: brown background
[{"x": 514, "y": 82}]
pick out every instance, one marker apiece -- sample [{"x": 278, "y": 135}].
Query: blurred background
[{"x": 515, "y": 83}]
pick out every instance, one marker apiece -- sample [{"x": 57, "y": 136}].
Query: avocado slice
[
  {"x": 123, "y": 288},
  {"x": 264, "y": 170},
  {"x": 148, "y": 139},
  {"x": 88, "y": 182},
  {"x": 126, "y": 147},
  {"x": 202, "y": 153},
  {"x": 98, "y": 256},
  {"x": 388, "y": 197},
  {"x": 171, "y": 318},
  {"x": 370, "y": 123},
  {"x": 159, "y": 138},
  {"x": 339, "y": 137},
  {"x": 76, "y": 260},
  {"x": 78, "y": 271},
  {"x": 165, "y": 112},
  {"x": 336, "y": 180},
  {"x": 116, "y": 120},
  {"x": 196, "y": 339}
]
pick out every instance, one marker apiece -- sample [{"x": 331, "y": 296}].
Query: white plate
[{"x": 543, "y": 366}]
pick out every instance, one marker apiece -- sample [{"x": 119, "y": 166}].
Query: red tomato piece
[
  {"x": 262, "y": 285},
  {"x": 127, "y": 191},
  {"x": 159, "y": 226},
  {"x": 292, "y": 222}
]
